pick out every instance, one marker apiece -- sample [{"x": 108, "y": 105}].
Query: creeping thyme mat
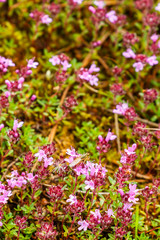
[{"x": 79, "y": 119}]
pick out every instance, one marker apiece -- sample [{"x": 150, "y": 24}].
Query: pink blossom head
[
  {"x": 96, "y": 214},
  {"x": 112, "y": 16},
  {"x": 100, "y": 3},
  {"x": 46, "y": 19},
  {"x": 110, "y": 212},
  {"x": 121, "y": 108},
  {"x": 110, "y": 136},
  {"x": 7, "y": 94},
  {"x": 152, "y": 60},
  {"x": 100, "y": 138},
  {"x": 131, "y": 150},
  {"x": 129, "y": 53},
  {"x": 92, "y": 9},
  {"x": 83, "y": 225},
  {"x": 154, "y": 37},
  {"x": 32, "y": 64},
  {"x": 138, "y": 66},
  {"x": 157, "y": 8},
  {"x": 94, "y": 68},
  {"x": 72, "y": 199},
  {"x": 17, "y": 125},
  {"x": 8, "y": 83},
  {"x": 66, "y": 65},
  {"x": 89, "y": 185},
  {"x": 55, "y": 60},
  {"x": 33, "y": 97}
]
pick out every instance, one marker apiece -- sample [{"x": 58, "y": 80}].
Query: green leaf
[{"x": 111, "y": 180}]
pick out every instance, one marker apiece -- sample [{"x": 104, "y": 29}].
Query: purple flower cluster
[
  {"x": 14, "y": 133},
  {"x": 128, "y": 158},
  {"x": 85, "y": 74},
  {"x": 4, "y": 64},
  {"x": 40, "y": 17},
  {"x": 102, "y": 144},
  {"x": 20, "y": 181},
  {"x": 128, "y": 112}
]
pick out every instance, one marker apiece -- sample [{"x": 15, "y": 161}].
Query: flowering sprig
[
  {"x": 14, "y": 134},
  {"x": 85, "y": 74},
  {"x": 61, "y": 60},
  {"x": 40, "y": 17},
  {"x": 4, "y": 64},
  {"x": 128, "y": 112}
]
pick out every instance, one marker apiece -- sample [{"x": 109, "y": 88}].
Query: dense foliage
[{"x": 79, "y": 119}]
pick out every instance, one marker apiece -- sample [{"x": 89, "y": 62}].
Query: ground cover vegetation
[{"x": 79, "y": 119}]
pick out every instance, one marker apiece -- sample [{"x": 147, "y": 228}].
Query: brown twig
[
  {"x": 147, "y": 122},
  {"x": 54, "y": 129},
  {"x": 10, "y": 165},
  {"x": 117, "y": 132},
  {"x": 106, "y": 67}
]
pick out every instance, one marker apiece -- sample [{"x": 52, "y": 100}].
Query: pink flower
[
  {"x": 157, "y": 8},
  {"x": 32, "y": 64},
  {"x": 83, "y": 225},
  {"x": 30, "y": 177},
  {"x": 129, "y": 54},
  {"x": 60, "y": 60},
  {"x": 112, "y": 16},
  {"x": 48, "y": 162},
  {"x": 73, "y": 154},
  {"x": 99, "y": 4},
  {"x": 12, "y": 182},
  {"x": 20, "y": 181},
  {"x": 93, "y": 68},
  {"x": 127, "y": 206},
  {"x": 17, "y": 125},
  {"x": 78, "y": 1},
  {"x": 7, "y": 94},
  {"x": 132, "y": 192},
  {"x": 78, "y": 170},
  {"x": 4, "y": 196},
  {"x": 92, "y": 9},
  {"x": 10, "y": 63},
  {"x": 120, "y": 191},
  {"x": 66, "y": 65},
  {"x": 154, "y": 37},
  {"x": 33, "y": 97},
  {"x": 8, "y": 83},
  {"x": 110, "y": 136},
  {"x": 72, "y": 199},
  {"x": 41, "y": 155},
  {"x": 20, "y": 81},
  {"x": 55, "y": 60},
  {"x": 1, "y": 126},
  {"x": 96, "y": 214},
  {"x": 86, "y": 74},
  {"x": 138, "y": 66},
  {"x": 121, "y": 108},
  {"x": 5, "y": 63},
  {"x": 89, "y": 185},
  {"x": 131, "y": 150},
  {"x": 110, "y": 212},
  {"x": 46, "y": 19},
  {"x": 93, "y": 80},
  {"x": 152, "y": 60},
  {"x": 14, "y": 173}
]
